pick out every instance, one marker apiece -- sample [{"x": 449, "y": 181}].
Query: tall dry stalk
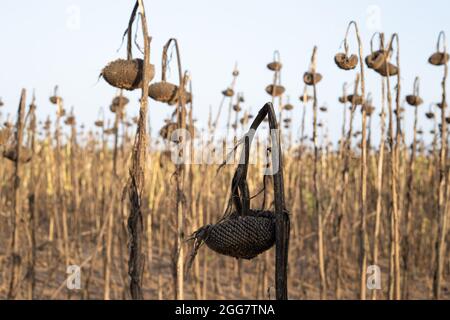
[
  {"x": 394, "y": 264},
  {"x": 379, "y": 183},
  {"x": 317, "y": 209},
  {"x": 33, "y": 205},
  {"x": 16, "y": 216},
  {"x": 408, "y": 231},
  {"x": 282, "y": 223},
  {"x": 137, "y": 171},
  {"x": 343, "y": 160},
  {"x": 444, "y": 179},
  {"x": 178, "y": 267},
  {"x": 363, "y": 167},
  {"x": 60, "y": 210}
]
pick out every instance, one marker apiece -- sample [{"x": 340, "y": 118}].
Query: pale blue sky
[{"x": 42, "y": 47}]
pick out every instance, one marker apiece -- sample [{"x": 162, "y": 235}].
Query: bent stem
[
  {"x": 409, "y": 202},
  {"x": 394, "y": 287},
  {"x": 282, "y": 224},
  {"x": 363, "y": 168},
  {"x": 317, "y": 210},
  {"x": 179, "y": 176}
]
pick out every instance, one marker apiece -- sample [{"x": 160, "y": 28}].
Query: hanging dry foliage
[
  {"x": 237, "y": 108},
  {"x": 438, "y": 58},
  {"x": 243, "y": 237},
  {"x": 414, "y": 100},
  {"x": 429, "y": 115},
  {"x": 55, "y": 99},
  {"x": 346, "y": 62},
  {"x": 274, "y": 66},
  {"x": 376, "y": 59},
  {"x": 99, "y": 123},
  {"x": 275, "y": 90},
  {"x": 163, "y": 91},
  {"x": 311, "y": 79},
  {"x": 243, "y": 233},
  {"x": 126, "y": 74},
  {"x": 356, "y": 100},
  {"x": 228, "y": 92},
  {"x": 187, "y": 98},
  {"x": 390, "y": 69}
]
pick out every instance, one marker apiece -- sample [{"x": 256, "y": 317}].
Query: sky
[{"x": 67, "y": 43}]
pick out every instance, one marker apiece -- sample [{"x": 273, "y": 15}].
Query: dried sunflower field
[{"x": 267, "y": 206}]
